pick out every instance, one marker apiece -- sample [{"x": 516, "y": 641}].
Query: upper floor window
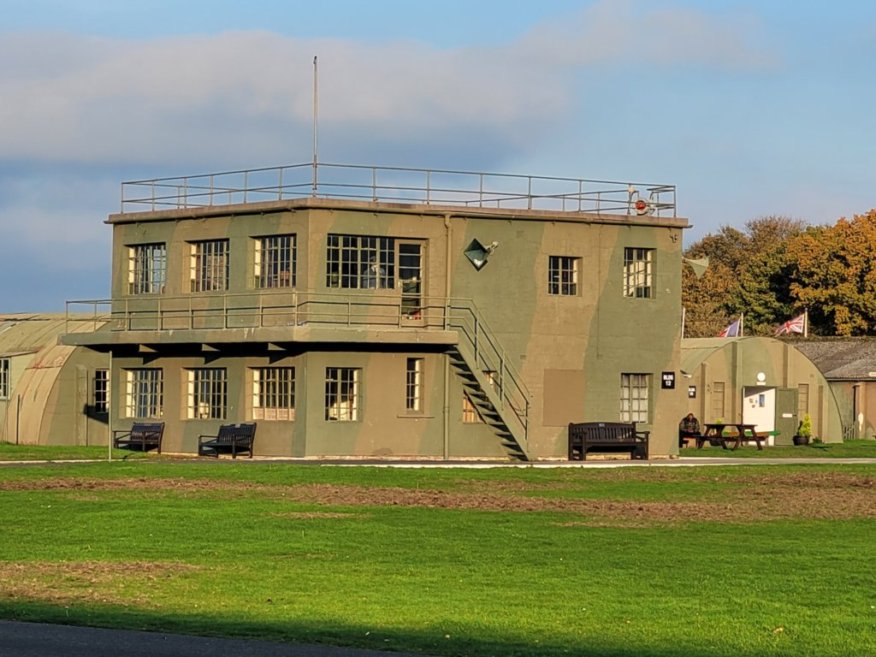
[
  {"x": 209, "y": 265},
  {"x": 342, "y": 394},
  {"x": 638, "y": 273},
  {"x": 4, "y": 378},
  {"x": 275, "y": 261},
  {"x": 634, "y": 397},
  {"x": 360, "y": 261},
  {"x": 273, "y": 393},
  {"x": 144, "y": 392},
  {"x": 147, "y": 268},
  {"x": 563, "y": 275},
  {"x": 207, "y": 393}
]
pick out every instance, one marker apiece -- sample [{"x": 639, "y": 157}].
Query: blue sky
[{"x": 750, "y": 108}]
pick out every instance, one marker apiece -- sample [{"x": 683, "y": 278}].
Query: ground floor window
[
  {"x": 144, "y": 392},
  {"x": 342, "y": 401},
  {"x": 4, "y": 378},
  {"x": 207, "y": 393},
  {"x": 634, "y": 397},
  {"x": 470, "y": 413},
  {"x": 100, "y": 401},
  {"x": 273, "y": 393},
  {"x": 414, "y": 385}
]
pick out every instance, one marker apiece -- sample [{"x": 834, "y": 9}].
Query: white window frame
[
  {"x": 206, "y": 393},
  {"x": 563, "y": 275},
  {"x": 635, "y": 397},
  {"x": 5, "y": 378},
  {"x": 144, "y": 392},
  {"x": 100, "y": 393},
  {"x": 414, "y": 385},
  {"x": 638, "y": 273},
  {"x": 273, "y": 393},
  {"x": 342, "y": 394}
]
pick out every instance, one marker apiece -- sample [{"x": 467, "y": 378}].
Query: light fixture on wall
[
  {"x": 761, "y": 377},
  {"x": 478, "y": 254}
]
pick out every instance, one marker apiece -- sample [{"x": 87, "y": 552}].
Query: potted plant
[{"x": 804, "y": 431}]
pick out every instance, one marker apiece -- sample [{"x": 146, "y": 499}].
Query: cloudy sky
[{"x": 750, "y": 108}]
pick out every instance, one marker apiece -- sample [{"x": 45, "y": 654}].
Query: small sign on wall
[
  {"x": 692, "y": 392},
  {"x": 668, "y": 380}
]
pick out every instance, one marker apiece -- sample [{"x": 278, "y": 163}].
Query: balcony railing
[
  {"x": 290, "y": 309},
  {"x": 399, "y": 185}
]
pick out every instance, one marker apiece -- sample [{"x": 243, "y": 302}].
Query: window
[
  {"x": 717, "y": 400},
  {"x": 101, "y": 391},
  {"x": 414, "y": 385},
  {"x": 209, "y": 265},
  {"x": 634, "y": 397},
  {"x": 275, "y": 261},
  {"x": 360, "y": 262},
  {"x": 273, "y": 393},
  {"x": 470, "y": 413},
  {"x": 4, "y": 378},
  {"x": 144, "y": 393},
  {"x": 638, "y": 273},
  {"x": 147, "y": 268},
  {"x": 207, "y": 393},
  {"x": 563, "y": 275},
  {"x": 342, "y": 394}
]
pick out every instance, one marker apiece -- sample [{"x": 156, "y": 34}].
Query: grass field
[
  {"x": 847, "y": 449},
  {"x": 744, "y": 560}
]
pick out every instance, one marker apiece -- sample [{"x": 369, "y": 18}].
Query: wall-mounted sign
[
  {"x": 692, "y": 392},
  {"x": 668, "y": 380}
]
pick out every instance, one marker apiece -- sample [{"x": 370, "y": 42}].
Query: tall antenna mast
[{"x": 315, "y": 123}]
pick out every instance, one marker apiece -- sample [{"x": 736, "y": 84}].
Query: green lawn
[
  {"x": 13, "y": 452},
  {"x": 847, "y": 449},
  {"x": 745, "y": 560}
]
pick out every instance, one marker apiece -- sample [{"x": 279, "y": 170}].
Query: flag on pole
[
  {"x": 796, "y": 325},
  {"x": 732, "y": 331}
]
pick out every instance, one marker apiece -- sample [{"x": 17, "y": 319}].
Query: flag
[
  {"x": 732, "y": 331},
  {"x": 796, "y": 325}
]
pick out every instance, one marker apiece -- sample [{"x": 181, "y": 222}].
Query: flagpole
[
  {"x": 806, "y": 323},
  {"x": 683, "y": 312},
  {"x": 741, "y": 325}
]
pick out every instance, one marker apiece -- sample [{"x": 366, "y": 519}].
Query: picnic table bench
[
  {"x": 142, "y": 436},
  {"x": 232, "y": 439},
  {"x": 714, "y": 434},
  {"x": 607, "y": 436}
]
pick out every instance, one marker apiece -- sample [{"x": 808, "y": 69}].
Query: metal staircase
[{"x": 490, "y": 381}]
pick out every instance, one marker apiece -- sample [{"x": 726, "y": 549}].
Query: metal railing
[
  {"x": 399, "y": 185},
  {"x": 285, "y": 309}
]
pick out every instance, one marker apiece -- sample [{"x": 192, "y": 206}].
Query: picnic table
[{"x": 714, "y": 434}]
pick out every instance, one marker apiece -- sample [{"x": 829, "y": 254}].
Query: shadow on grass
[{"x": 338, "y": 634}]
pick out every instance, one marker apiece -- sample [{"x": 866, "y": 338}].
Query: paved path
[{"x": 38, "y": 640}]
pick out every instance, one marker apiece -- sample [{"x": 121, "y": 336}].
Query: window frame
[
  {"x": 638, "y": 272},
  {"x": 5, "y": 378},
  {"x": 414, "y": 384},
  {"x": 635, "y": 397},
  {"x": 275, "y": 262},
  {"x": 147, "y": 268},
  {"x": 144, "y": 389},
  {"x": 206, "y": 393},
  {"x": 100, "y": 397},
  {"x": 210, "y": 265},
  {"x": 273, "y": 393},
  {"x": 343, "y": 394},
  {"x": 563, "y": 273},
  {"x": 348, "y": 257}
]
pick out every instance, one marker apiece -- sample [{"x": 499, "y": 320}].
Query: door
[
  {"x": 410, "y": 281},
  {"x": 759, "y": 407},
  {"x": 786, "y": 415}
]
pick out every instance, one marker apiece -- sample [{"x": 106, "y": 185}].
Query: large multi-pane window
[
  {"x": 342, "y": 394},
  {"x": 144, "y": 393},
  {"x": 563, "y": 275},
  {"x": 414, "y": 384},
  {"x": 209, "y": 265},
  {"x": 273, "y": 393},
  {"x": 275, "y": 261},
  {"x": 360, "y": 261},
  {"x": 638, "y": 273},
  {"x": 100, "y": 401},
  {"x": 147, "y": 268},
  {"x": 634, "y": 395},
  {"x": 207, "y": 393},
  {"x": 4, "y": 379}
]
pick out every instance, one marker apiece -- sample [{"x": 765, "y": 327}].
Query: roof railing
[{"x": 468, "y": 189}]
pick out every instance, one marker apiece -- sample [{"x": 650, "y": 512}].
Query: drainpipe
[{"x": 447, "y": 236}]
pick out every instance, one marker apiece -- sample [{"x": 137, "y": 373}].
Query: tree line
[{"x": 777, "y": 268}]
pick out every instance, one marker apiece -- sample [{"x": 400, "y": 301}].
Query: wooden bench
[
  {"x": 142, "y": 436},
  {"x": 607, "y": 436},
  {"x": 232, "y": 439}
]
